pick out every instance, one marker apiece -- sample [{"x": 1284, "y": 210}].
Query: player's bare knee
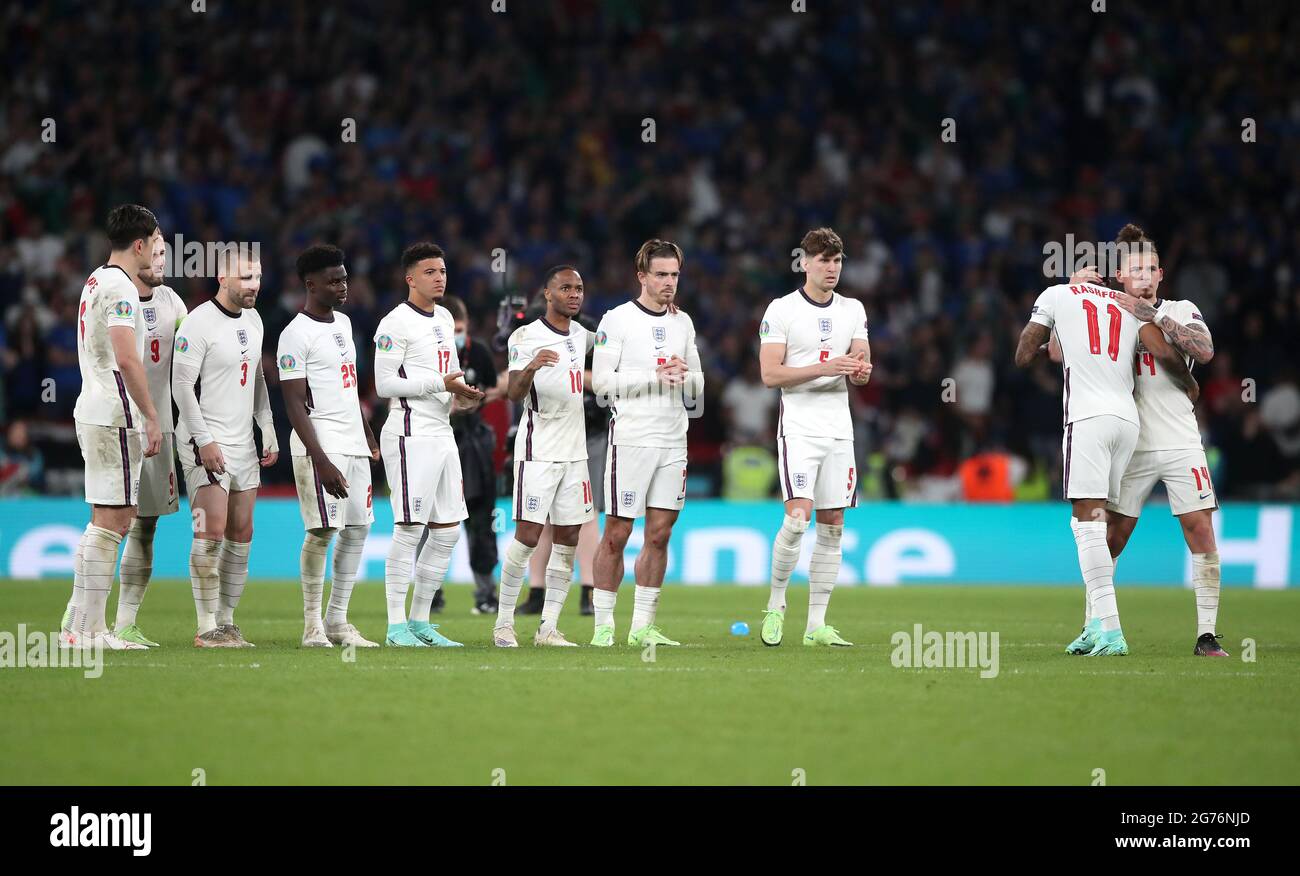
[
  {"x": 831, "y": 516},
  {"x": 1199, "y": 532},
  {"x": 567, "y": 535},
  {"x": 528, "y": 533}
]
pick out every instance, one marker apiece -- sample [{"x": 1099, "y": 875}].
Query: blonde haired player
[
  {"x": 810, "y": 341},
  {"x": 220, "y": 391},
  {"x": 1098, "y": 340},
  {"x": 546, "y": 361},
  {"x": 331, "y": 445},
  {"x": 416, "y": 366},
  {"x": 647, "y": 369},
  {"x": 1169, "y": 445},
  {"x": 112, "y": 410}
]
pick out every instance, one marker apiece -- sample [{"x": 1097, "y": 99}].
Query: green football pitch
[{"x": 722, "y": 709}]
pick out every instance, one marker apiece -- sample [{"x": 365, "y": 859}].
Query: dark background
[{"x": 523, "y": 131}]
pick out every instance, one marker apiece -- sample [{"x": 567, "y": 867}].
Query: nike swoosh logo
[
  {"x": 1206, "y": 496},
  {"x": 824, "y": 340}
]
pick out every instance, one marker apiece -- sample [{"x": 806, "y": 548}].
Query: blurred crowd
[{"x": 947, "y": 141}]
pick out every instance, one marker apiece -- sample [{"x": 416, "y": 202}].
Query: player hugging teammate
[{"x": 1112, "y": 343}]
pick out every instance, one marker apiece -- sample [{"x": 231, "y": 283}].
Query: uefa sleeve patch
[
  {"x": 287, "y": 362},
  {"x": 123, "y": 308},
  {"x": 601, "y": 338},
  {"x": 764, "y": 329},
  {"x": 383, "y": 343},
  {"x": 182, "y": 344}
]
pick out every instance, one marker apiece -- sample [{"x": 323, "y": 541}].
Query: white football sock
[
  {"x": 232, "y": 571},
  {"x": 513, "y": 565},
  {"x": 98, "y": 561},
  {"x": 74, "y": 602},
  {"x": 644, "y": 606},
  {"x": 397, "y": 568},
  {"x": 205, "y": 582},
  {"x": 431, "y": 569},
  {"x": 559, "y": 574},
  {"x": 785, "y": 556},
  {"x": 1098, "y": 571},
  {"x": 137, "y": 568},
  {"x": 347, "y": 559},
  {"x": 1205, "y": 581},
  {"x": 315, "y": 548},
  {"x": 603, "y": 602},
  {"x": 823, "y": 572}
]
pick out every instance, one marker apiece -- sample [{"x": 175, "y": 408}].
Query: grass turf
[{"x": 723, "y": 709}]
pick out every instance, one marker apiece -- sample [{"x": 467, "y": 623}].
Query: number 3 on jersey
[{"x": 349, "y": 375}]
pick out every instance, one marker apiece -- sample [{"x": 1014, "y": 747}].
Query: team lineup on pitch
[{"x": 1127, "y": 424}]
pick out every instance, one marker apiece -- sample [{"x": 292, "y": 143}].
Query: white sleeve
[
  {"x": 694, "y": 385},
  {"x": 184, "y": 375},
  {"x": 773, "y": 328},
  {"x": 291, "y": 355},
  {"x": 608, "y": 381},
  {"x": 860, "y": 331},
  {"x": 187, "y": 360},
  {"x": 389, "y": 385},
  {"x": 521, "y": 353},
  {"x": 1044, "y": 312},
  {"x": 262, "y": 412}
]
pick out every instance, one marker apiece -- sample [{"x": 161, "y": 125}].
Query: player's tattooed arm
[
  {"x": 1192, "y": 340},
  {"x": 1170, "y": 359},
  {"x": 1033, "y": 343}
]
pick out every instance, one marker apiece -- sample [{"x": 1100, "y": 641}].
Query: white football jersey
[
  {"x": 161, "y": 313},
  {"x": 1167, "y": 419},
  {"x": 323, "y": 354},
  {"x": 553, "y": 426},
  {"x": 226, "y": 348},
  {"x": 108, "y": 299},
  {"x": 424, "y": 344},
  {"x": 631, "y": 342},
  {"x": 1098, "y": 340},
  {"x": 814, "y": 333}
]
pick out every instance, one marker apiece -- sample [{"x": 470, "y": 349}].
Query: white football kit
[
  {"x": 551, "y": 474},
  {"x": 1169, "y": 441},
  {"x": 220, "y": 391},
  {"x": 322, "y": 353},
  {"x": 814, "y": 443},
  {"x": 645, "y": 461},
  {"x": 1098, "y": 340},
  {"x": 160, "y": 313},
  {"x": 414, "y": 349},
  {"x": 108, "y": 423}
]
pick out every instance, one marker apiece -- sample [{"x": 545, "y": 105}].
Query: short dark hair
[
  {"x": 456, "y": 306},
  {"x": 128, "y": 223},
  {"x": 550, "y": 274},
  {"x": 656, "y": 249},
  {"x": 821, "y": 241},
  {"x": 418, "y": 252},
  {"x": 318, "y": 257}
]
